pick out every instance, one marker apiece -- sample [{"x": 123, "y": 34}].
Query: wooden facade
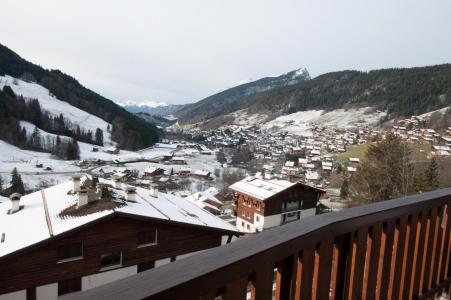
[
  {"x": 296, "y": 197},
  {"x": 38, "y": 264}
]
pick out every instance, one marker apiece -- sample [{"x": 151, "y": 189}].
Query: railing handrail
[{"x": 182, "y": 272}]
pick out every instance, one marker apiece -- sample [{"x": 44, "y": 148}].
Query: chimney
[
  {"x": 15, "y": 202},
  {"x": 82, "y": 197},
  {"x": 268, "y": 176},
  {"x": 116, "y": 182},
  {"x": 76, "y": 180},
  {"x": 154, "y": 190},
  {"x": 130, "y": 194}
]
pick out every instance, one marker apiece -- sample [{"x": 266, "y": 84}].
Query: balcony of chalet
[{"x": 396, "y": 249}]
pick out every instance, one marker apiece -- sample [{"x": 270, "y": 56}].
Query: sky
[{"x": 182, "y": 51}]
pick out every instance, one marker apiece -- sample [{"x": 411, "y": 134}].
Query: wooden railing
[{"x": 396, "y": 249}]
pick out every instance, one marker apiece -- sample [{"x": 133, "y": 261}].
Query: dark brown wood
[
  {"x": 412, "y": 247},
  {"x": 305, "y": 281},
  {"x": 385, "y": 270},
  {"x": 444, "y": 254},
  {"x": 438, "y": 231},
  {"x": 415, "y": 290},
  {"x": 375, "y": 234},
  {"x": 237, "y": 289},
  {"x": 398, "y": 258},
  {"x": 284, "y": 275},
  {"x": 220, "y": 266},
  {"x": 430, "y": 247},
  {"x": 358, "y": 250},
  {"x": 324, "y": 270},
  {"x": 39, "y": 266},
  {"x": 339, "y": 271},
  {"x": 262, "y": 285}
]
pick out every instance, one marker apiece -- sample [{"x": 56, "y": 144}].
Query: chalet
[
  {"x": 178, "y": 160},
  {"x": 203, "y": 174},
  {"x": 112, "y": 150},
  {"x": 206, "y": 200},
  {"x": 184, "y": 172},
  {"x": 82, "y": 234},
  {"x": 153, "y": 172},
  {"x": 263, "y": 203}
]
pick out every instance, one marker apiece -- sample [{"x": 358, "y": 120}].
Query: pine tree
[
  {"x": 172, "y": 171},
  {"x": 344, "y": 190},
  {"x": 99, "y": 136},
  {"x": 36, "y": 139},
  {"x": 16, "y": 182},
  {"x": 22, "y": 137},
  {"x": 1, "y": 183},
  {"x": 72, "y": 150},
  {"x": 431, "y": 175}
]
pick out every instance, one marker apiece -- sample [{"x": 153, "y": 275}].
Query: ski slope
[{"x": 56, "y": 107}]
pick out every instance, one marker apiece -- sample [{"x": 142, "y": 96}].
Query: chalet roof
[
  {"x": 45, "y": 214},
  {"x": 260, "y": 188}
]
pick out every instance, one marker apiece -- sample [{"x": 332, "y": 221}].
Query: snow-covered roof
[
  {"x": 44, "y": 214},
  {"x": 260, "y": 188}
]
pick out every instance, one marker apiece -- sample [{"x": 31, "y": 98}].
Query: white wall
[
  {"x": 95, "y": 280},
  {"x": 308, "y": 212},
  {"x": 19, "y": 295},
  {"x": 47, "y": 292},
  {"x": 271, "y": 221},
  {"x": 244, "y": 228},
  {"x": 162, "y": 262}
]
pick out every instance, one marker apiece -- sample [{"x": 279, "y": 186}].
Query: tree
[
  {"x": 172, "y": 171},
  {"x": 344, "y": 190},
  {"x": 72, "y": 150},
  {"x": 220, "y": 156},
  {"x": 386, "y": 172},
  {"x": 1, "y": 183},
  {"x": 429, "y": 179},
  {"x": 36, "y": 139},
  {"x": 17, "y": 185},
  {"x": 99, "y": 136}
]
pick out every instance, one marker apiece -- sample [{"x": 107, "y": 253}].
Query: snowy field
[
  {"x": 300, "y": 123},
  {"x": 56, "y": 107}
]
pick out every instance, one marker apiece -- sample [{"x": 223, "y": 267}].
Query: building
[
  {"x": 263, "y": 203},
  {"x": 78, "y": 235}
]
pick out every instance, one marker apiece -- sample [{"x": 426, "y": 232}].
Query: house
[
  {"x": 112, "y": 150},
  {"x": 207, "y": 200},
  {"x": 203, "y": 174},
  {"x": 178, "y": 160},
  {"x": 81, "y": 234},
  {"x": 153, "y": 172},
  {"x": 264, "y": 203},
  {"x": 184, "y": 172}
]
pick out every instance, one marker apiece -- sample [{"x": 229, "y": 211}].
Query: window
[
  {"x": 242, "y": 223},
  {"x": 70, "y": 252},
  {"x": 248, "y": 226},
  {"x": 147, "y": 238},
  {"x": 146, "y": 266},
  {"x": 257, "y": 218},
  {"x": 69, "y": 286},
  {"x": 111, "y": 259}
]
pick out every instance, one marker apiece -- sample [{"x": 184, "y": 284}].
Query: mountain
[
  {"x": 155, "y": 110},
  {"x": 221, "y": 103},
  {"x": 128, "y": 130},
  {"x": 398, "y": 92},
  {"x": 156, "y": 119}
]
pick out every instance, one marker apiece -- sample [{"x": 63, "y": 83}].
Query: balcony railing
[{"x": 396, "y": 249}]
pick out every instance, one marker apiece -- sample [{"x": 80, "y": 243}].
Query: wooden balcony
[{"x": 397, "y": 249}]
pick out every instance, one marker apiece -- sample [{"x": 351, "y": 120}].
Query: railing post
[
  {"x": 237, "y": 289},
  {"x": 357, "y": 266},
  {"x": 323, "y": 277},
  {"x": 261, "y": 286},
  {"x": 339, "y": 268},
  {"x": 284, "y": 278}
]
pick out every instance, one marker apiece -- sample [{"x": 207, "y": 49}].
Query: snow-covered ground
[
  {"x": 55, "y": 106},
  {"x": 301, "y": 122}
]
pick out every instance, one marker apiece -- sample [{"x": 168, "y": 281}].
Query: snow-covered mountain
[
  {"x": 225, "y": 101},
  {"x": 152, "y": 108}
]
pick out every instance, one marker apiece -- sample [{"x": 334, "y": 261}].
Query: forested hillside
[
  {"x": 399, "y": 92},
  {"x": 128, "y": 130},
  {"x": 223, "y": 102}
]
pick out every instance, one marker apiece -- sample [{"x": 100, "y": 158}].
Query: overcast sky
[{"x": 182, "y": 51}]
